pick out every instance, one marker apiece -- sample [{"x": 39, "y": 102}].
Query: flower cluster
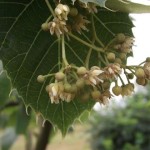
[
  {"x": 76, "y": 81},
  {"x": 124, "y": 43},
  {"x": 67, "y": 19},
  {"x": 91, "y": 82}
]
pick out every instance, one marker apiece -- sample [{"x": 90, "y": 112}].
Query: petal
[
  {"x": 97, "y": 72},
  {"x": 52, "y": 99},
  {"x": 99, "y": 79},
  {"x": 54, "y": 91},
  {"x": 93, "y": 80},
  {"x": 110, "y": 71}
]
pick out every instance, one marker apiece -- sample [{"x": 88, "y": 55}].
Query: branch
[
  {"x": 44, "y": 136},
  {"x": 9, "y": 104}
]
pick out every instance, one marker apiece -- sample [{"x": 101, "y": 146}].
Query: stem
[
  {"x": 50, "y": 7},
  {"x": 89, "y": 55},
  {"x": 130, "y": 70},
  {"x": 106, "y": 59},
  {"x": 88, "y": 58},
  {"x": 102, "y": 60},
  {"x": 94, "y": 33},
  {"x": 64, "y": 52},
  {"x": 44, "y": 136},
  {"x": 142, "y": 63},
  {"x": 48, "y": 19},
  {"x": 121, "y": 80},
  {"x": 59, "y": 53},
  {"x": 87, "y": 44},
  {"x": 49, "y": 75},
  {"x": 99, "y": 56},
  {"x": 9, "y": 104}
]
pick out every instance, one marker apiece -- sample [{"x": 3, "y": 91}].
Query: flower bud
[
  {"x": 141, "y": 81},
  {"x": 67, "y": 87},
  {"x": 105, "y": 85},
  {"x": 117, "y": 90},
  {"x": 111, "y": 57},
  {"x": 130, "y": 75},
  {"x": 118, "y": 60},
  {"x": 122, "y": 56},
  {"x": 80, "y": 83},
  {"x": 73, "y": 12},
  {"x": 45, "y": 26},
  {"x": 40, "y": 78},
  {"x": 73, "y": 88},
  {"x": 139, "y": 72},
  {"x": 96, "y": 94},
  {"x": 59, "y": 76},
  {"x": 148, "y": 59},
  {"x": 81, "y": 71},
  {"x": 120, "y": 38}
]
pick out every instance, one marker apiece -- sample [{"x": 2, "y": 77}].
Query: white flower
[
  {"x": 53, "y": 93},
  {"x": 112, "y": 70},
  {"x": 92, "y": 76},
  {"x": 127, "y": 45},
  {"x": 62, "y": 11},
  {"x": 58, "y": 27},
  {"x": 56, "y": 93}
]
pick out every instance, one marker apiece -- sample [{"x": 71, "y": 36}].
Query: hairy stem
[
  {"x": 88, "y": 58},
  {"x": 42, "y": 141},
  {"x": 64, "y": 52}
]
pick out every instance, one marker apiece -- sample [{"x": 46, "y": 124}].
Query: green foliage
[
  {"x": 127, "y": 6},
  {"x": 123, "y": 128},
  {"x": 120, "y": 5},
  {"x": 98, "y": 2}
]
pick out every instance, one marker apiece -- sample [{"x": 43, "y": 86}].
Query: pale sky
[{"x": 141, "y": 31}]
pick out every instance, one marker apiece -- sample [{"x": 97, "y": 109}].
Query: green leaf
[
  {"x": 21, "y": 126},
  {"x": 127, "y": 6},
  {"x": 120, "y": 5},
  {"x": 98, "y": 2},
  {"x": 27, "y": 51}
]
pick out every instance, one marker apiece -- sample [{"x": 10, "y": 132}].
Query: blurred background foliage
[
  {"x": 13, "y": 118},
  {"x": 123, "y": 128}
]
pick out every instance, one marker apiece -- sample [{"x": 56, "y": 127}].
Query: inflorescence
[{"x": 84, "y": 83}]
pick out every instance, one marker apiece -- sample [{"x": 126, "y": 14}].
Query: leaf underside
[{"x": 27, "y": 51}]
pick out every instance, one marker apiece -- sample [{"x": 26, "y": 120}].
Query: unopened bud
[
  {"x": 81, "y": 71},
  {"x": 117, "y": 90},
  {"x": 139, "y": 73},
  {"x": 59, "y": 76},
  {"x": 111, "y": 57},
  {"x": 45, "y": 26},
  {"x": 120, "y": 38},
  {"x": 80, "y": 83},
  {"x": 40, "y": 78},
  {"x": 73, "y": 12},
  {"x": 67, "y": 87},
  {"x": 96, "y": 94}
]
